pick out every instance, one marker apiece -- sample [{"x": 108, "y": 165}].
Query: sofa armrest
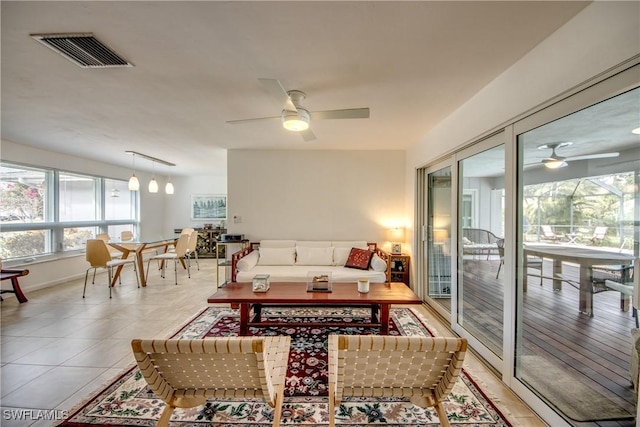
[
  {"x": 237, "y": 256},
  {"x": 386, "y": 258}
]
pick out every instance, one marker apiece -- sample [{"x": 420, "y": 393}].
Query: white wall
[
  {"x": 178, "y": 215},
  {"x": 601, "y": 36},
  {"x": 307, "y": 195}
]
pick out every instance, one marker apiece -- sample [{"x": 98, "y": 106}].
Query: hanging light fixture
[
  {"x": 134, "y": 184},
  {"x": 153, "y": 184},
  {"x": 169, "y": 187}
]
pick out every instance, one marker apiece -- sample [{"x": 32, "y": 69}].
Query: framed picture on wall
[{"x": 208, "y": 206}]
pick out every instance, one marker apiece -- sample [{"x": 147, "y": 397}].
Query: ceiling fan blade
[
  {"x": 593, "y": 156},
  {"x": 275, "y": 89},
  {"x": 349, "y": 113},
  {"x": 259, "y": 119},
  {"x": 307, "y": 135}
]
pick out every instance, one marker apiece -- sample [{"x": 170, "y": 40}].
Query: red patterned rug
[{"x": 127, "y": 401}]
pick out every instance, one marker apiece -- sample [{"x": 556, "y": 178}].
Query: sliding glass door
[
  {"x": 578, "y": 199},
  {"x": 438, "y": 233},
  {"x": 481, "y": 280}
]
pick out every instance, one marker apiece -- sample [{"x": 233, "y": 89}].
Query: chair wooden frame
[
  {"x": 185, "y": 373},
  {"x": 424, "y": 369}
]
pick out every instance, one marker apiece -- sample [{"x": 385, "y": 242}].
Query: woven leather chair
[
  {"x": 98, "y": 256},
  {"x": 185, "y": 373},
  {"x": 421, "y": 368}
]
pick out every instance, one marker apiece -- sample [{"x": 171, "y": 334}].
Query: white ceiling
[{"x": 197, "y": 64}]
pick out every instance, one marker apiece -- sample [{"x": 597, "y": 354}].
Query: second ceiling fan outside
[{"x": 297, "y": 118}]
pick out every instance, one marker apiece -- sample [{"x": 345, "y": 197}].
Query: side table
[{"x": 400, "y": 268}]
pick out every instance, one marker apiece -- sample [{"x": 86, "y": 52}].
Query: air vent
[{"x": 83, "y": 49}]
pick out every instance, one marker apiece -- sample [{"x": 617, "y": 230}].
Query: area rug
[
  {"x": 569, "y": 395},
  {"x": 127, "y": 401}
]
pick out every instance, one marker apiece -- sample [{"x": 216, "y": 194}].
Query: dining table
[
  {"x": 139, "y": 247},
  {"x": 585, "y": 257}
]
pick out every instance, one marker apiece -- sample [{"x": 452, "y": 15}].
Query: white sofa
[{"x": 292, "y": 261}]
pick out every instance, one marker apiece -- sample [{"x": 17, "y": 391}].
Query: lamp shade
[
  {"x": 396, "y": 234},
  {"x": 440, "y": 235},
  {"x": 134, "y": 184},
  {"x": 168, "y": 188},
  {"x": 153, "y": 186}
]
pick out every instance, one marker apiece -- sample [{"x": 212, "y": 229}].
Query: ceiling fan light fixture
[
  {"x": 296, "y": 121},
  {"x": 554, "y": 163},
  {"x": 636, "y": 131}
]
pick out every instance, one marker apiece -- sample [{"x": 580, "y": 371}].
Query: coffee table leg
[
  {"x": 244, "y": 319},
  {"x": 384, "y": 319},
  {"x": 374, "y": 313}
]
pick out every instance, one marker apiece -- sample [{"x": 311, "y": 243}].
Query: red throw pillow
[{"x": 359, "y": 258}]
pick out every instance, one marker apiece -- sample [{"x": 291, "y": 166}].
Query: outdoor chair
[
  {"x": 185, "y": 373},
  {"x": 423, "y": 369},
  {"x": 98, "y": 256},
  {"x": 163, "y": 258},
  {"x": 598, "y": 235},
  {"x": 549, "y": 235}
]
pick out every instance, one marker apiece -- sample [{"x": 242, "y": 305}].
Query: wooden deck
[{"x": 595, "y": 350}]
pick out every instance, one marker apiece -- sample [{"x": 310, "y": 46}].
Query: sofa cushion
[
  {"x": 340, "y": 256},
  {"x": 377, "y": 263},
  {"x": 248, "y": 262},
  {"x": 277, "y": 243},
  {"x": 314, "y": 243},
  {"x": 277, "y": 256},
  {"x": 359, "y": 258},
  {"x": 314, "y": 255},
  {"x": 298, "y": 273}
]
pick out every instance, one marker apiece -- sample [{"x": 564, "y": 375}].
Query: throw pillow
[
  {"x": 359, "y": 258},
  {"x": 314, "y": 256},
  {"x": 377, "y": 263},
  {"x": 277, "y": 256}
]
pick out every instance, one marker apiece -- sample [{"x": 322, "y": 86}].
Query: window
[{"x": 45, "y": 212}]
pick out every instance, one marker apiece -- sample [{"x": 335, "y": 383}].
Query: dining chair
[
  {"x": 180, "y": 253},
  {"x": 184, "y": 373},
  {"x": 423, "y": 369},
  {"x": 98, "y": 256},
  {"x": 192, "y": 248},
  {"x": 126, "y": 236}
]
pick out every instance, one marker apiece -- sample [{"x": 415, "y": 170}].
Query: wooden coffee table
[{"x": 379, "y": 298}]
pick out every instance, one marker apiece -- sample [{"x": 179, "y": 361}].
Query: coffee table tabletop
[{"x": 380, "y": 296}]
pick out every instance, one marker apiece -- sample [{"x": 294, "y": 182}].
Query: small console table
[{"x": 13, "y": 275}]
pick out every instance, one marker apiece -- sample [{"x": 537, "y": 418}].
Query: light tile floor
[{"x": 58, "y": 348}]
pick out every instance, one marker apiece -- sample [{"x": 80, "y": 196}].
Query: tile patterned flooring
[{"x": 58, "y": 348}]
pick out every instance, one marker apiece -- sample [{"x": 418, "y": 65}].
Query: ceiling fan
[
  {"x": 297, "y": 118},
  {"x": 554, "y": 161}
]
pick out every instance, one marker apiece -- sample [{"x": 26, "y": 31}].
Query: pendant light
[
  {"x": 134, "y": 184},
  {"x": 153, "y": 184},
  {"x": 169, "y": 187}
]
